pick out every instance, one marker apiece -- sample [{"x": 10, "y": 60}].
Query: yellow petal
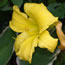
[
  {"x": 32, "y": 20},
  {"x": 21, "y": 23},
  {"x": 33, "y": 27},
  {"x": 20, "y": 38},
  {"x": 46, "y": 41},
  {"x": 26, "y": 48},
  {"x": 40, "y": 14},
  {"x": 19, "y": 20}
]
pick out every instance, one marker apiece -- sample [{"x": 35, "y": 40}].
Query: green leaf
[
  {"x": 51, "y": 1},
  {"x": 6, "y": 8},
  {"x": 6, "y": 46},
  {"x": 5, "y": 16},
  {"x": 17, "y": 2},
  {"x": 57, "y": 9},
  {"x": 41, "y": 57},
  {"x": 3, "y": 3}
]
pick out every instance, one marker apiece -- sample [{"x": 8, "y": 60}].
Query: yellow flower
[
  {"x": 40, "y": 14},
  {"x": 32, "y": 29}
]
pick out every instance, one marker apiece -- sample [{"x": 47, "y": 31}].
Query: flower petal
[
  {"x": 26, "y": 46},
  {"x": 33, "y": 28},
  {"x": 40, "y": 14},
  {"x": 19, "y": 20},
  {"x": 20, "y": 38},
  {"x": 46, "y": 41},
  {"x": 21, "y": 23}
]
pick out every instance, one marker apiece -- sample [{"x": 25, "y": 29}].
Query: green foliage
[
  {"x": 3, "y": 2},
  {"x": 51, "y": 1},
  {"x": 6, "y": 8},
  {"x": 42, "y": 57},
  {"x": 6, "y": 46},
  {"x": 57, "y": 9},
  {"x": 17, "y": 2},
  {"x": 5, "y": 16}
]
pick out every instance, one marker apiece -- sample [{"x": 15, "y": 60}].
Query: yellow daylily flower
[
  {"x": 40, "y": 14},
  {"x": 29, "y": 29}
]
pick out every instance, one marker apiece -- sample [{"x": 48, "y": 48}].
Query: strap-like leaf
[
  {"x": 17, "y": 2},
  {"x": 6, "y": 46},
  {"x": 3, "y": 3},
  {"x": 57, "y": 9}
]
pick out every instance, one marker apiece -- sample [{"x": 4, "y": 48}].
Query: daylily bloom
[{"x": 33, "y": 30}]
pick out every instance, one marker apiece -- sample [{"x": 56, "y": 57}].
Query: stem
[{"x": 60, "y": 35}]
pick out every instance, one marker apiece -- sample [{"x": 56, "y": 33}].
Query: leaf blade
[{"x": 6, "y": 46}]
